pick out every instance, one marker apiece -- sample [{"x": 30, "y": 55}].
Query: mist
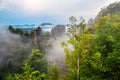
[
  {"x": 13, "y": 49},
  {"x": 55, "y": 53}
]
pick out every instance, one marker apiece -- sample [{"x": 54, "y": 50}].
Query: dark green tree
[
  {"x": 19, "y": 31},
  {"x": 37, "y": 61},
  {"x": 11, "y": 28},
  {"x": 28, "y": 73}
]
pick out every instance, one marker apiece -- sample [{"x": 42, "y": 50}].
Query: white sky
[{"x": 64, "y": 8}]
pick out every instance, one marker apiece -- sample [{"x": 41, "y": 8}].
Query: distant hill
[
  {"x": 44, "y": 24},
  {"x": 25, "y": 27},
  {"x": 46, "y": 27}
]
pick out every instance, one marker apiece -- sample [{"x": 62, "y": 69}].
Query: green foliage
[
  {"x": 11, "y": 28},
  {"x": 53, "y": 73},
  {"x": 94, "y": 56},
  {"x": 34, "y": 68},
  {"x": 13, "y": 62},
  {"x": 27, "y": 74},
  {"x": 77, "y": 50},
  {"x": 8, "y": 77},
  {"x": 37, "y": 61},
  {"x": 19, "y": 31},
  {"x": 106, "y": 42},
  {"x": 16, "y": 31}
]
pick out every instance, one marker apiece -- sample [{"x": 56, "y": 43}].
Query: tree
[
  {"x": 106, "y": 42},
  {"x": 53, "y": 73},
  {"x": 77, "y": 50},
  {"x": 28, "y": 74},
  {"x": 11, "y": 28},
  {"x": 18, "y": 31},
  {"x": 38, "y": 61}
]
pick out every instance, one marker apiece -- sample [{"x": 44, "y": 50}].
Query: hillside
[{"x": 113, "y": 8}]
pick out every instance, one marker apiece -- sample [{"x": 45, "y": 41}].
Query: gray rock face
[
  {"x": 58, "y": 31},
  {"x": 38, "y": 31}
]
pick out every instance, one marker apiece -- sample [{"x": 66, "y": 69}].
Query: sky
[{"x": 14, "y": 12}]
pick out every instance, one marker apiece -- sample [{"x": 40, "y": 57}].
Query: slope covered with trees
[
  {"x": 113, "y": 8},
  {"x": 93, "y": 56}
]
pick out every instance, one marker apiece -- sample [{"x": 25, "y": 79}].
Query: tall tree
[{"x": 77, "y": 49}]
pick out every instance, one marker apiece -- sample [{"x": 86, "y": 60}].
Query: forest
[{"x": 91, "y": 50}]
